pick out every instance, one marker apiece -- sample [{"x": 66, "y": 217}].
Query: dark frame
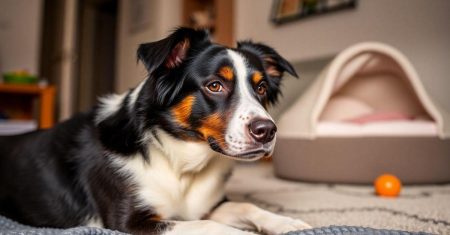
[{"x": 307, "y": 8}]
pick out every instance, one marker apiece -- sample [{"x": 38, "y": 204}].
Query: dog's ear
[
  {"x": 273, "y": 63},
  {"x": 171, "y": 52}
]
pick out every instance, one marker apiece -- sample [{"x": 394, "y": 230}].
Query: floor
[{"x": 418, "y": 208}]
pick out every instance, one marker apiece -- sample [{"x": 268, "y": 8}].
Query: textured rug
[
  {"x": 419, "y": 208},
  {"x": 9, "y": 227}
]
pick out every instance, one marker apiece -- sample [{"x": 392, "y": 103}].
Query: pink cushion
[{"x": 381, "y": 116}]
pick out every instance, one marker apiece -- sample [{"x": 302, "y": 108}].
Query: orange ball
[{"x": 387, "y": 185}]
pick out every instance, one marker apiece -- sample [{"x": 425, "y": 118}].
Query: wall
[
  {"x": 420, "y": 29},
  {"x": 68, "y": 63},
  {"x": 163, "y": 16},
  {"x": 20, "y": 28}
]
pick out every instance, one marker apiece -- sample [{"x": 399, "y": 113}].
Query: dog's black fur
[{"x": 63, "y": 176}]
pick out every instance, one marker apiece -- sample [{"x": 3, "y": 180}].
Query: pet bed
[
  {"x": 10, "y": 227},
  {"x": 366, "y": 114}
]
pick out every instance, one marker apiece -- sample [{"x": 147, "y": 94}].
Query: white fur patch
[
  {"x": 134, "y": 95},
  {"x": 109, "y": 105},
  {"x": 183, "y": 179},
  {"x": 94, "y": 222}
]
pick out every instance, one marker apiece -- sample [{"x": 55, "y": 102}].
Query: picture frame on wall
[{"x": 284, "y": 11}]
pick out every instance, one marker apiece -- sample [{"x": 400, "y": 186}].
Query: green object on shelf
[{"x": 19, "y": 78}]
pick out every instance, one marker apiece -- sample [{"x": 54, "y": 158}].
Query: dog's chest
[{"x": 184, "y": 183}]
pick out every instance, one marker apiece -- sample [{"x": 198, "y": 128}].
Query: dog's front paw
[
  {"x": 250, "y": 217},
  {"x": 277, "y": 224}
]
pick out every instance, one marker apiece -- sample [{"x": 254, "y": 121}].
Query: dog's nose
[{"x": 262, "y": 131}]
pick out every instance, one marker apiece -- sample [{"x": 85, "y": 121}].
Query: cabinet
[{"x": 27, "y": 102}]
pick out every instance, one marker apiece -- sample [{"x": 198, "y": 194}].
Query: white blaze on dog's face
[{"x": 242, "y": 137}]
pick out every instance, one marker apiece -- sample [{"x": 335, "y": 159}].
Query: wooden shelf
[
  {"x": 25, "y": 89},
  {"x": 44, "y": 94}
]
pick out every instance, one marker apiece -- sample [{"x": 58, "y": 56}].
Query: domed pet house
[{"x": 366, "y": 114}]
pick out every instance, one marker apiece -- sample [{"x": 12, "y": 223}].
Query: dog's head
[{"x": 201, "y": 91}]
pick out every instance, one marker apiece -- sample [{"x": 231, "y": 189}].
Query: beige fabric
[
  {"x": 381, "y": 92},
  {"x": 343, "y": 107},
  {"x": 354, "y": 72},
  {"x": 419, "y": 208},
  {"x": 415, "y": 160}
]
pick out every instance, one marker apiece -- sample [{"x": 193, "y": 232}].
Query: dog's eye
[
  {"x": 215, "y": 86},
  {"x": 262, "y": 88}
]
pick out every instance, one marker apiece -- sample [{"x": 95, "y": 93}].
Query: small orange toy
[{"x": 387, "y": 185}]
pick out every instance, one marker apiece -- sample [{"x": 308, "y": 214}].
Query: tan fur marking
[
  {"x": 256, "y": 77},
  {"x": 182, "y": 111},
  {"x": 213, "y": 126},
  {"x": 226, "y": 72},
  {"x": 156, "y": 218}
]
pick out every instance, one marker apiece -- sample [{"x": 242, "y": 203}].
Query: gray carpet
[
  {"x": 419, "y": 208},
  {"x": 9, "y": 227}
]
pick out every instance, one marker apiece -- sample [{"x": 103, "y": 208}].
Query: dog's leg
[
  {"x": 202, "y": 227},
  {"x": 250, "y": 217}
]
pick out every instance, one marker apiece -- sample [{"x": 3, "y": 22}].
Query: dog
[{"x": 155, "y": 159}]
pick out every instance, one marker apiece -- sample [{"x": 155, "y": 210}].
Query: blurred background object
[
  {"x": 214, "y": 15},
  {"x": 19, "y": 77},
  {"x": 284, "y": 11}
]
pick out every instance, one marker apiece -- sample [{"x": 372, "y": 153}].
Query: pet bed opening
[{"x": 372, "y": 87}]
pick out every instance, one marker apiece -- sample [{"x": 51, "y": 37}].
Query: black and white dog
[{"x": 155, "y": 159}]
